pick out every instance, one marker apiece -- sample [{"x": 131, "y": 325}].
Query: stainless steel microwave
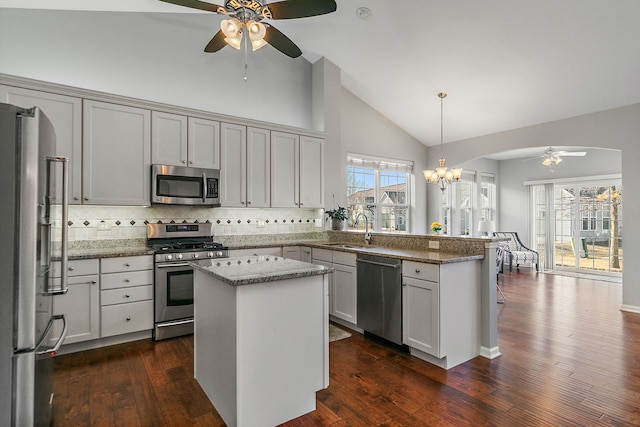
[{"x": 179, "y": 185}]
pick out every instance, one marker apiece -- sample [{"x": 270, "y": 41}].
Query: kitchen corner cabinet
[
  {"x": 245, "y": 170},
  {"x": 441, "y": 311},
  {"x": 184, "y": 141},
  {"x": 126, "y": 294},
  {"x": 297, "y": 171},
  {"x": 117, "y": 154},
  {"x": 81, "y": 304},
  {"x": 343, "y": 283},
  {"x": 65, "y": 113}
]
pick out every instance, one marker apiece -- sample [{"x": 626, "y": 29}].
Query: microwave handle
[{"x": 204, "y": 187}]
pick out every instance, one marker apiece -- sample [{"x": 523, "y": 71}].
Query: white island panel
[{"x": 261, "y": 349}]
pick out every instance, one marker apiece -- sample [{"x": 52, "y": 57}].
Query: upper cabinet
[
  {"x": 116, "y": 160},
  {"x": 65, "y": 114},
  {"x": 245, "y": 170},
  {"x": 297, "y": 171},
  {"x": 184, "y": 141}
]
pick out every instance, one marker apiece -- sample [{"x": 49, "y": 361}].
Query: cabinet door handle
[
  {"x": 128, "y": 319},
  {"x": 86, "y": 199},
  {"x": 127, "y": 265},
  {"x": 184, "y": 161},
  {"x": 127, "y": 281},
  {"x": 417, "y": 270},
  {"x": 70, "y": 269},
  {"x": 75, "y": 198}
]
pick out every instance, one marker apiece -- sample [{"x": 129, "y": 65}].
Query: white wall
[
  {"x": 514, "y": 195},
  {"x": 366, "y": 131},
  {"x": 613, "y": 129},
  {"x": 157, "y": 57}
]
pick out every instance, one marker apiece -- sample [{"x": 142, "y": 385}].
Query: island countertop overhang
[{"x": 247, "y": 270}]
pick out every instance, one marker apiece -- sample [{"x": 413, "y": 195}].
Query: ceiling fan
[
  {"x": 245, "y": 17},
  {"x": 552, "y": 156}
]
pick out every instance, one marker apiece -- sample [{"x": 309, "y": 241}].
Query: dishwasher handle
[{"x": 381, "y": 264}]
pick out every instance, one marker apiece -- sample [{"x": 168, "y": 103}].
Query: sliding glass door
[{"x": 580, "y": 227}]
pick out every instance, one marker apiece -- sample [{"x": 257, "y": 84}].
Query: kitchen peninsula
[{"x": 261, "y": 346}]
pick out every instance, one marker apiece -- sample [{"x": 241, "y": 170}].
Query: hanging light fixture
[
  {"x": 233, "y": 30},
  {"x": 441, "y": 176}
]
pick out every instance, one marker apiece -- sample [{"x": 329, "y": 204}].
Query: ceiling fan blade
[
  {"x": 194, "y": 4},
  {"x": 301, "y": 8},
  {"x": 570, "y": 153},
  {"x": 216, "y": 43},
  {"x": 281, "y": 42}
]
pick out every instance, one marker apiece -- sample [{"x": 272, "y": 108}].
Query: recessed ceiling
[{"x": 504, "y": 64}]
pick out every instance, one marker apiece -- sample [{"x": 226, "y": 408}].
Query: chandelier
[{"x": 441, "y": 176}]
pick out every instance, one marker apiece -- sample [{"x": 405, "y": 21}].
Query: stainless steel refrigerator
[{"x": 29, "y": 195}]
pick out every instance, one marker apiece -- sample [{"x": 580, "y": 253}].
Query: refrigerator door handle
[
  {"x": 64, "y": 252},
  {"x": 53, "y": 350}
]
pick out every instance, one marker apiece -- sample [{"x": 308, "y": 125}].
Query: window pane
[
  {"x": 393, "y": 188},
  {"x": 360, "y": 185}
]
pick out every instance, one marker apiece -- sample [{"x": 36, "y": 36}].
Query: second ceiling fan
[{"x": 245, "y": 18}]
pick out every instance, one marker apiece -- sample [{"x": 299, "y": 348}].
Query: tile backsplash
[{"x": 129, "y": 222}]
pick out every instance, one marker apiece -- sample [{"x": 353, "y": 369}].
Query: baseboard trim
[
  {"x": 490, "y": 353},
  {"x": 630, "y": 308}
]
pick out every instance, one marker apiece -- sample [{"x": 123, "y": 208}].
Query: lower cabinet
[
  {"x": 126, "y": 295},
  {"x": 81, "y": 304},
  {"x": 441, "y": 311},
  {"x": 300, "y": 253},
  {"x": 343, "y": 283}
]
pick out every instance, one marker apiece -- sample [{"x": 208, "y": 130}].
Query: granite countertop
[
  {"x": 237, "y": 271},
  {"x": 418, "y": 255},
  {"x": 108, "y": 252}
]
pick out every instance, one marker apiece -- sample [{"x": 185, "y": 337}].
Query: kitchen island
[{"x": 261, "y": 346}]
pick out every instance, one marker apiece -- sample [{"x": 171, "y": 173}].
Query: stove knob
[
  {"x": 209, "y": 254},
  {"x": 194, "y": 255},
  {"x": 168, "y": 257},
  {"x": 178, "y": 256},
  {"x": 219, "y": 254}
]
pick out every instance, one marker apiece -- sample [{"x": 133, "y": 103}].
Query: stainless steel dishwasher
[{"x": 379, "y": 296}]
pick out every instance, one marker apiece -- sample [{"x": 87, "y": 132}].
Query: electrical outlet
[
  {"x": 434, "y": 244},
  {"x": 260, "y": 223}
]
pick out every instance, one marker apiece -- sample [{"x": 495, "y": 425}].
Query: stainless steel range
[{"x": 174, "y": 245}]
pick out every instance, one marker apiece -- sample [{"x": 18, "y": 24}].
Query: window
[
  {"x": 379, "y": 189},
  {"x": 458, "y": 204},
  {"x": 487, "y": 197}
]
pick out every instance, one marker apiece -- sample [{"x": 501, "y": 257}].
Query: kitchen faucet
[{"x": 367, "y": 233}]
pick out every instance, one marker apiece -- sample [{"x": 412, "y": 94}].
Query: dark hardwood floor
[{"x": 570, "y": 357}]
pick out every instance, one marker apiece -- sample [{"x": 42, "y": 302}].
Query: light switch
[{"x": 434, "y": 244}]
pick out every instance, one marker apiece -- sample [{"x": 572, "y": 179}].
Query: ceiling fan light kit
[
  {"x": 553, "y": 157},
  {"x": 246, "y": 16},
  {"x": 441, "y": 176}
]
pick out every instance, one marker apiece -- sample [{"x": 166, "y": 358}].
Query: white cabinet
[
  {"x": 343, "y": 283},
  {"x": 441, "y": 311},
  {"x": 300, "y": 253},
  {"x": 126, "y": 294},
  {"x": 184, "y": 141},
  {"x": 245, "y": 171},
  {"x": 81, "y": 304},
  {"x": 297, "y": 171},
  {"x": 421, "y": 307},
  {"x": 117, "y": 154},
  {"x": 65, "y": 114},
  {"x": 168, "y": 139}
]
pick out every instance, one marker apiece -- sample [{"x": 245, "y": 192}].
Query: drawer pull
[
  {"x": 127, "y": 265},
  {"x": 93, "y": 282},
  {"x": 127, "y": 280},
  {"x": 70, "y": 268},
  {"x": 417, "y": 270},
  {"x": 128, "y": 319},
  {"x": 127, "y": 296}
]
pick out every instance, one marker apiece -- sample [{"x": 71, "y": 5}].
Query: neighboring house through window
[{"x": 379, "y": 189}]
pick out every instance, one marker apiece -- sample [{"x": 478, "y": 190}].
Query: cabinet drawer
[
  {"x": 125, "y": 318},
  {"x": 76, "y": 267},
  {"x": 344, "y": 258},
  {"x": 126, "y": 263},
  {"x": 126, "y": 295},
  {"x": 322, "y": 255},
  {"x": 126, "y": 279},
  {"x": 422, "y": 271}
]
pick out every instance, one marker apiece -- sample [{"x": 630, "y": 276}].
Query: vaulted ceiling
[{"x": 504, "y": 63}]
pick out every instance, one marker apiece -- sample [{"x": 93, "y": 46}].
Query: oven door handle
[
  {"x": 181, "y": 264},
  {"x": 204, "y": 187}
]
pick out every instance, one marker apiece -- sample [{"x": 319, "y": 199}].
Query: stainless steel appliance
[
  {"x": 178, "y": 185},
  {"x": 174, "y": 246},
  {"x": 379, "y": 296},
  {"x": 29, "y": 195}
]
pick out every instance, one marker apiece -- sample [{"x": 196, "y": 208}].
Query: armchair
[{"x": 514, "y": 252}]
